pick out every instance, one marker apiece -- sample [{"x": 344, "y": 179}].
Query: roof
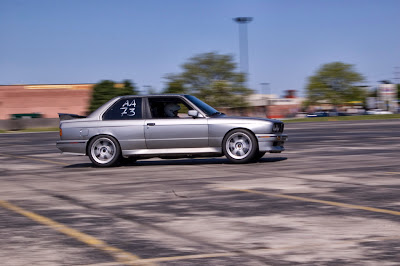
[{"x": 153, "y": 95}]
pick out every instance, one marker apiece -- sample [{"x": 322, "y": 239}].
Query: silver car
[{"x": 167, "y": 126}]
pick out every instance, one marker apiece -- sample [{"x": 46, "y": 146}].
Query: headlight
[{"x": 277, "y": 127}]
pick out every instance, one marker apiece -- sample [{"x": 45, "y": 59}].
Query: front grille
[{"x": 277, "y": 127}]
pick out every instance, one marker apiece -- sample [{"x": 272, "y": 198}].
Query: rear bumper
[
  {"x": 69, "y": 146},
  {"x": 273, "y": 143}
]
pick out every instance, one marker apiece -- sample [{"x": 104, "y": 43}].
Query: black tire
[
  {"x": 259, "y": 155},
  {"x": 240, "y": 146},
  {"x": 128, "y": 161},
  {"x": 104, "y": 151}
]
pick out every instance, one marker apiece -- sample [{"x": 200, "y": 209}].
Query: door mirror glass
[{"x": 193, "y": 113}]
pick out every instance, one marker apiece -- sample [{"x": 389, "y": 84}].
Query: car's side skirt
[{"x": 172, "y": 151}]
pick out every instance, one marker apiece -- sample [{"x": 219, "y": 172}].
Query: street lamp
[
  {"x": 243, "y": 43},
  {"x": 265, "y": 87}
]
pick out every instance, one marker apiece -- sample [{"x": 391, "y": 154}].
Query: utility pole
[
  {"x": 397, "y": 75},
  {"x": 243, "y": 43},
  {"x": 265, "y": 89}
]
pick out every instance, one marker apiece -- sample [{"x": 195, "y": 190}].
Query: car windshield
[{"x": 208, "y": 110}]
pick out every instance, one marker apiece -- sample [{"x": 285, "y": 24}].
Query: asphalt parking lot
[{"x": 332, "y": 198}]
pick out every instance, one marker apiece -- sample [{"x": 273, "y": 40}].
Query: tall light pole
[
  {"x": 265, "y": 88},
  {"x": 243, "y": 43}
]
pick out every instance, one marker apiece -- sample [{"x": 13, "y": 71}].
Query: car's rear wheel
[
  {"x": 104, "y": 151},
  {"x": 240, "y": 146},
  {"x": 129, "y": 160}
]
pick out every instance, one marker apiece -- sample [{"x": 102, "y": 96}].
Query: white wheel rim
[
  {"x": 103, "y": 150},
  {"x": 239, "y": 145}
]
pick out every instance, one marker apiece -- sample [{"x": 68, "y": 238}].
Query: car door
[{"x": 163, "y": 132}]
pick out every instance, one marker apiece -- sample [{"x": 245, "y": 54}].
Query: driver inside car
[{"x": 171, "y": 110}]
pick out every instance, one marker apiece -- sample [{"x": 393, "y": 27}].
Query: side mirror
[{"x": 193, "y": 113}]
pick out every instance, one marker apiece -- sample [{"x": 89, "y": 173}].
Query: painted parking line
[
  {"x": 392, "y": 173},
  {"x": 119, "y": 255},
  {"x": 267, "y": 250},
  {"x": 190, "y": 257},
  {"x": 126, "y": 258},
  {"x": 33, "y": 159},
  {"x": 104, "y": 264},
  {"x": 326, "y": 202}
]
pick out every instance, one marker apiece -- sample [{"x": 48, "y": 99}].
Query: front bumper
[
  {"x": 70, "y": 146},
  {"x": 271, "y": 142}
]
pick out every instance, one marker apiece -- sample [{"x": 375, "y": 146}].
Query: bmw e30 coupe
[{"x": 167, "y": 126}]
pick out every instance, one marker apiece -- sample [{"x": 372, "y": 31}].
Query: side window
[
  {"x": 125, "y": 109},
  {"x": 168, "y": 108}
]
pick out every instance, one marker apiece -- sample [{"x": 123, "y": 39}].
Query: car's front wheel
[
  {"x": 104, "y": 151},
  {"x": 240, "y": 146},
  {"x": 259, "y": 155}
]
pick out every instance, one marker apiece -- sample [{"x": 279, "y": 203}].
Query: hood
[{"x": 223, "y": 116}]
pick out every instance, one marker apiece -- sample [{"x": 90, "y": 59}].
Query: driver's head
[{"x": 171, "y": 109}]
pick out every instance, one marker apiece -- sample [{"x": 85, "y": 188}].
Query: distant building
[
  {"x": 46, "y": 99},
  {"x": 50, "y": 99},
  {"x": 269, "y": 105}
]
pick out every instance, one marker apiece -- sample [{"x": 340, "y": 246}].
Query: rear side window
[{"x": 125, "y": 109}]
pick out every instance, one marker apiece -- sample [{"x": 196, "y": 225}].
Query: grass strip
[
  {"x": 344, "y": 118},
  {"x": 31, "y": 130}
]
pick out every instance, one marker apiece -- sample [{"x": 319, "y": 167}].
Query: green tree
[
  {"x": 105, "y": 90},
  {"x": 175, "y": 84},
  {"x": 335, "y": 83},
  {"x": 211, "y": 77},
  {"x": 373, "y": 93},
  {"x": 398, "y": 91}
]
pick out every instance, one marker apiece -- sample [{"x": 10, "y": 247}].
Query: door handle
[{"x": 151, "y": 124}]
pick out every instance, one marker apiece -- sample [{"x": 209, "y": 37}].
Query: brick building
[{"x": 48, "y": 100}]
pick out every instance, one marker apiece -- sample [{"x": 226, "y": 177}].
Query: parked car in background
[
  {"x": 378, "y": 112},
  {"x": 327, "y": 113},
  {"x": 167, "y": 126},
  {"x": 318, "y": 114}
]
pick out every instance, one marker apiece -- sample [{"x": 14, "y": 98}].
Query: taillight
[{"x": 60, "y": 132}]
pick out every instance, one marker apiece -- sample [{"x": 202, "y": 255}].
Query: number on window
[{"x": 128, "y": 108}]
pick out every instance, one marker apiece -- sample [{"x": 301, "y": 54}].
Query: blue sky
[{"x": 85, "y": 41}]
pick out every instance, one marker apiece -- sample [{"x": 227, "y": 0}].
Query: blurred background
[{"x": 275, "y": 59}]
